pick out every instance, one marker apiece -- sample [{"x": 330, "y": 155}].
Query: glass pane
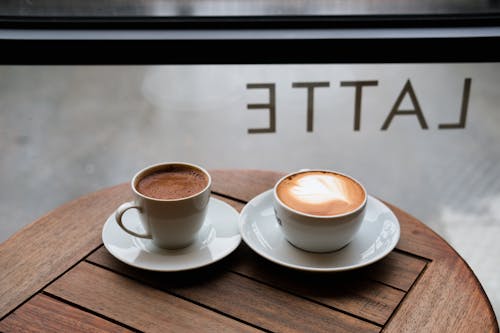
[{"x": 422, "y": 136}]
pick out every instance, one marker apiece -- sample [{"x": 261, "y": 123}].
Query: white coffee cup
[
  {"x": 169, "y": 223},
  {"x": 318, "y": 233}
]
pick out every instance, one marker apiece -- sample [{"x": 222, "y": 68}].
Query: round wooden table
[{"x": 56, "y": 275}]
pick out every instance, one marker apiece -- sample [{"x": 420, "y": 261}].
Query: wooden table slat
[
  {"x": 420, "y": 241},
  {"x": 242, "y": 298},
  {"x": 46, "y": 314},
  {"x": 352, "y": 292},
  {"x": 368, "y": 299},
  {"x": 441, "y": 288},
  {"x": 45, "y": 249},
  {"x": 398, "y": 270},
  {"x": 136, "y": 304}
]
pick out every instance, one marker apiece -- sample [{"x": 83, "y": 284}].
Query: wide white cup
[
  {"x": 172, "y": 223},
  {"x": 317, "y": 233}
]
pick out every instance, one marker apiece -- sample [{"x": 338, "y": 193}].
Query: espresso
[
  {"x": 173, "y": 182},
  {"x": 321, "y": 193}
]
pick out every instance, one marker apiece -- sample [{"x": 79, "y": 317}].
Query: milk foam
[
  {"x": 321, "y": 193},
  {"x": 319, "y": 188}
]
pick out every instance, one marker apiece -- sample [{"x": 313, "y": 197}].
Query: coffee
[
  {"x": 321, "y": 193},
  {"x": 173, "y": 182}
]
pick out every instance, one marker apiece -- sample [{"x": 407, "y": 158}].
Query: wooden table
[{"x": 56, "y": 275}]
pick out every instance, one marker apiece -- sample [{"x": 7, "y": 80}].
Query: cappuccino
[
  {"x": 321, "y": 193},
  {"x": 173, "y": 182}
]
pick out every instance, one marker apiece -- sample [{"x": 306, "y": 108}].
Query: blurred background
[{"x": 69, "y": 130}]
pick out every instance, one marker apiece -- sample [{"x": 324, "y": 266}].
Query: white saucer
[
  {"x": 376, "y": 238},
  {"x": 218, "y": 237}
]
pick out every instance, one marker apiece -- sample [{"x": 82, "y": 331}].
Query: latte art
[
  {"x": 321, "y": 193},
  {"x": 318, "y": 189}
]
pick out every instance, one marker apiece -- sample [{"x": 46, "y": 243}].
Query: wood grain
[
  {"x": 420, "y": 240},
  {"x": 398, "y": 270},
  {"x": 352, "y": 292},
  {"x": 43, "y": 250},
  {"x": 448, "y": 298},
  {"x": 365, "y": 298},
  {"x": 45, "y": 314},
  {"x": 240, "y": 297},
  {"x": 448, "y": 286},
  {"x": 136, "y": 304}
]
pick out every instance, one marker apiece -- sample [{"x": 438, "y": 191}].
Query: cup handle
[{"x": 118, "y": 217}]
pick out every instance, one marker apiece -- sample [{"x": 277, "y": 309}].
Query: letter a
[{"x": 407, "y": 89}]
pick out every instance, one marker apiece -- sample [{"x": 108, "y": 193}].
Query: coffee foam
[
  {"x": 321, "y": 193},
  {"x": 172, "y": 182}
]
